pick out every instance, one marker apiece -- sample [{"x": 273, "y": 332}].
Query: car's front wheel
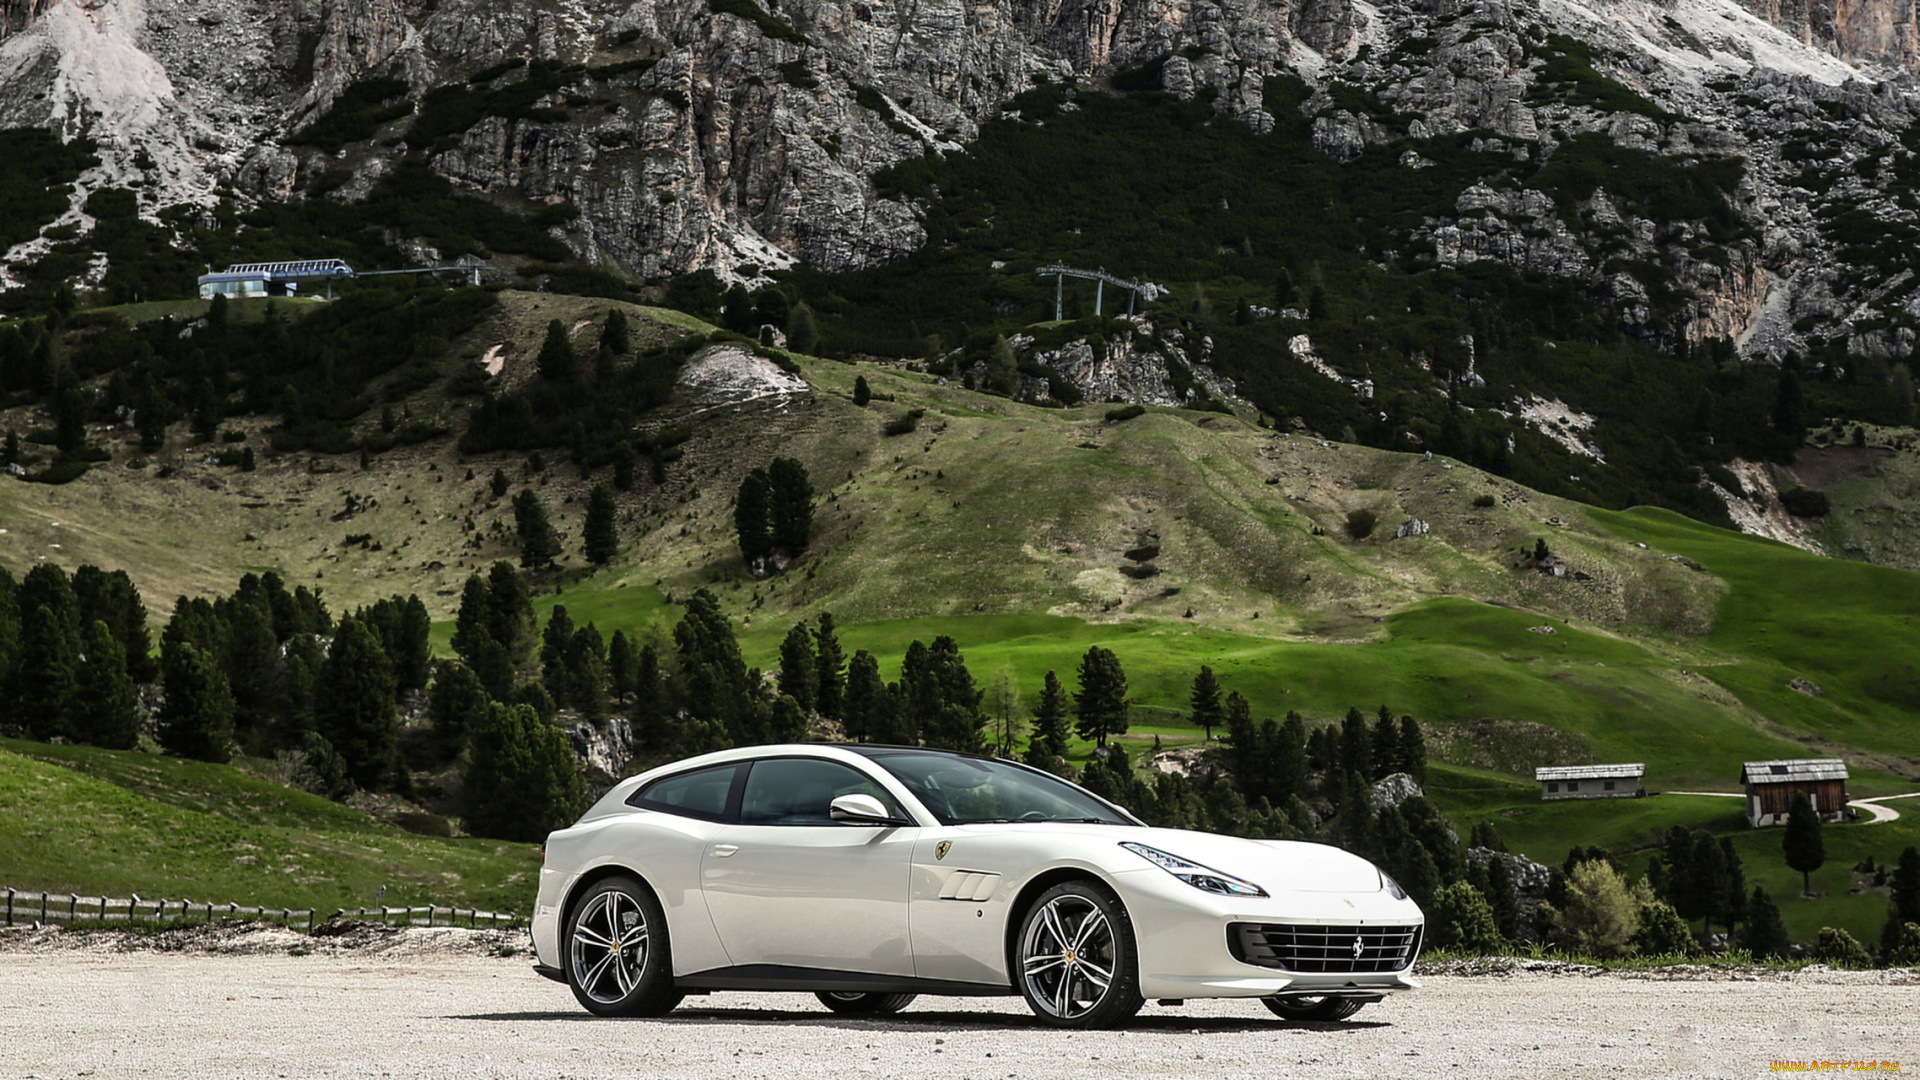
[
  {"x": 1077, "y": 963},
  {"x": 617, "y": 959},
  {"x": 856, "y": 1003},
  {"x": 1312, "y": 1008}
]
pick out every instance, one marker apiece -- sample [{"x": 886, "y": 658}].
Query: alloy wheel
[
  {"x": 608, "y": 950},
  {"x": 1068, "y": 957}
]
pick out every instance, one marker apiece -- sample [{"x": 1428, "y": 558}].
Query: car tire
[
  {"x": 1074, "y": 958},
  {"x": 854, "y": 1003},
  {"x": 616, "y": 952},
  {"x": 1312, "y": 1008}
]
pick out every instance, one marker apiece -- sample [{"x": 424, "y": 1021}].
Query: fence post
[
  {"x": 43, "y": 907},
  {"x": 73, "y": 907},
  {"x": 9, "y": 906},
  {"x": 130, "y": 904}
]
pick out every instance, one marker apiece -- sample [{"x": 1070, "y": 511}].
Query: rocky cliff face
[{"x": 748, "y": 139}]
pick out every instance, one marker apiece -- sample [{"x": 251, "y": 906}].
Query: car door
[{"x": 789, "y": 886}]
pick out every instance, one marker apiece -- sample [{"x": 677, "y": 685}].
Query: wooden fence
[{"x": 61, "y": 907}]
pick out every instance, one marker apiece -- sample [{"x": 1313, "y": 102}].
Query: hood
[{"x": 1275, "y": 865}]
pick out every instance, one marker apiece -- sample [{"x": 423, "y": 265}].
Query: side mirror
[{"x": 862, "y": 810}]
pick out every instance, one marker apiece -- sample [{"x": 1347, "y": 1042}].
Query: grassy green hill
[
  {"x": 1009, "y": 526},
  {"x": 102, "y": 822}
]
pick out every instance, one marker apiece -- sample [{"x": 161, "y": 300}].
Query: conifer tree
[
  {"x": 587, "y": 673},
  {"x": 600, "y": 541},
  {"x": 472, "y": 623},
  {"x": 106, "y": 709},
  {"x": 829, "y": 666},
  {"x": 802, "y": 336},
  {"x": 1503, "y": 898},
  {"x": 250, "y": 659},
  {"x": 457, "y": 702},
  {"x": 499, "y": 484},
  {"x": 623, "y": 662},
  {"x": 1765, "y": 934},
  {"x": 613, "y": 333},
  {"x": 511, "y": 622},
  {"x": 1100, "y": 705},
  {"x": 197, "y": 719},
  {"x": 1906, "y": 885},
  {"x": 354, "y": 705},
  {"x": 1048, "y": 747},
  {"x": 716, "y": 690},
  {"x": 752, "y": 518},
  {"x": 1356, "y": 747},
  {"x": 789, "y": 505},
  {"x": 538, "y": 542},
  {"x": 43, "y": 685},
  {"x": 1385, "y": 744},
  {"x": 325, "y": 771},
  {"x": 862, "y": 394},
  {"x": 1205, "y": 698},
  {"x": 1289, "y": 761},
  {"x": 864, "y": 712},
  {"x": 555, "y": 642},
  {"x": 789, "y": 722},
  {"x": 522, "y": 780},
  {"x": 1413, "y": 750},
  {"x": 556, "y": 362},
  {"x": 956, "y": 720},
  {"x": 652, "y": 724},
  {"x": 1802, "y": 844},
  {"x": 799, "y": 674}
]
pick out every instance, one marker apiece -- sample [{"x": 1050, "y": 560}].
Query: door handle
[{"x": 721, "y": 851}]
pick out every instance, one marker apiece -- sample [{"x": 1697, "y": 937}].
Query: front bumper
[{"x": 1182, "y": 935}]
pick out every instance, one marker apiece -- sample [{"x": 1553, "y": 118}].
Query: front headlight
[
  {"x": 1200, "y": 877},
  {"x": 1391, "y": 886}
]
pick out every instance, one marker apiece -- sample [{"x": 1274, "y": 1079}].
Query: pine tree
[
  {"x": 499, "y": 484},
  {"x": 1289, "y": 760},
  {"x": 862, "y": 394},
  {"x": 829, "y": 667},
  {"x": 623, "y": 463},
  {"x": 106, "y": 709},
  {"x": 456, "y": 704},
  {"x": 409, "y": 647},
  {"x": 1047, "y": 749},
  {"x": 538, "y": 542},
  {"x": 799, "y": 674},
  {"x": 325, "y": 772},
  {"x": 555, "y": 642},
  {"x": 946, "y": 699},
  {"x": 43, "y": 684},
  {"x": 715, "y": 687},
  {"x": 863, "y": 711},
  {"x": 511, "y": 622},
  {"x": 1765, "y": 934},
  {"x": 1205, "y": 698},
  {"x": 789, "y": 505},
  {"x": 614, "y": 334},
  {"x": 1906, "y": 886},
  {"x": 601, "y": 542},
  {"x": 1356, "y": 748},
  {"x": 250, "y": 659},
  {"x": 354, "y": 705},
  {"x": 1100, "y": 705},
  {"x": 1413, "y": 751},
  {"x": 802, "y": 337},
  {"x": 1503, "y": 897},
  {"x": 789, "y": 722},
  {"x": 1802, "y": 844},
  {"x": 1385, "y": 744},
  {"x": 623, "y": 665},
  {"x": 197, "y": 719},
  {"x": 557, "y": 362},
  {"x": 472, "y": 623},
  {"x": 1245, "y": 755},
  {"x": 1355, "y": 820},
  {"x": 752, "y": 518},
  {"x": 587, "y": 673},
  {"x": 522, "y": 780}
]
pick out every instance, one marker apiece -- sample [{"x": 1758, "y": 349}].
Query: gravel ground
[{"x": 374, "y": 1002}]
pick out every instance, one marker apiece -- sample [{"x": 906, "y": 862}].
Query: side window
[
  {"x": 698, "y": 794},
  {"x": 799, "y": 791}
]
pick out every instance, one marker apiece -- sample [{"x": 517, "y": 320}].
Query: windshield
[{"x": 969, "y": 791}]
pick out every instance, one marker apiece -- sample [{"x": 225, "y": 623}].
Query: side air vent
[{"x": 972, "y": 885}]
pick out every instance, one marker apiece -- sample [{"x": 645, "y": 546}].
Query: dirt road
[{"x": 437, "y": 1006}]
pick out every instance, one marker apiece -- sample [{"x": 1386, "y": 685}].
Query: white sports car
[{"x": 871, "y": 874}]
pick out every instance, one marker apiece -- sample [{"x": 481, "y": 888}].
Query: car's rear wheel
[
  {"x": 1312, "y": 1008},
  {"x": 855, "y": 1003},
  {"x": 616, "y": 951},
  {"x": 1077, "y": 964}
]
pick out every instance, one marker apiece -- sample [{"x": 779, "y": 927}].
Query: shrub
[
  {"x": 1360, "y": 523},
  {"x": 1600, "y": 916},
  {"x": 905, "y": 423},
  {"x": 1483, "y": 502},
  {"x": 1463, "y": 920},
  {"x": 1837, "y": 948},
  {"x": 1663, "y": 932},
  {"x": 1125, "y": 413},
  {"x": 1805, "y": 502}
]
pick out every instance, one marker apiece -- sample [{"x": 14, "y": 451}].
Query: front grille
[{"x": 1312, "y": 949}]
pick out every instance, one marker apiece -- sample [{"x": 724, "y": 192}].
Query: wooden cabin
[
  {"x": 1771, "y": 786},
  {"x": 1589, "y": 781}
]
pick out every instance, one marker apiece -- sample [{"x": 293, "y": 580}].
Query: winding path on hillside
[{"x": 1871, "y": 806}]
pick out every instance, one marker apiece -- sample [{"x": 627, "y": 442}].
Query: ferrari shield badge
[{"x": 940, "y": 849}]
